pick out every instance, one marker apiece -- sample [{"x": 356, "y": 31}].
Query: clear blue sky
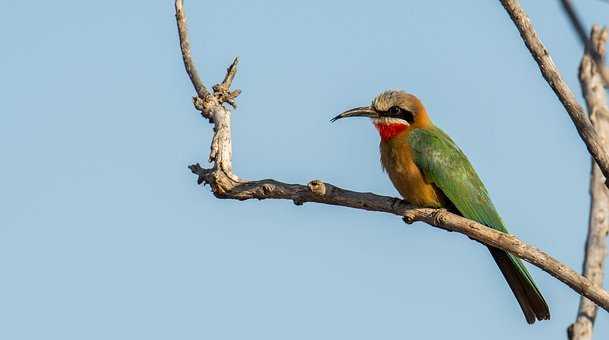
[{"x": 104, "y": 233}]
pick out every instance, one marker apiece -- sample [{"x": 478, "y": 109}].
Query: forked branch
[{"x": 225, "y": 184}]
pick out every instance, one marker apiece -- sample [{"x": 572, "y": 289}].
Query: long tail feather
[{"x": 518, "y": 278}]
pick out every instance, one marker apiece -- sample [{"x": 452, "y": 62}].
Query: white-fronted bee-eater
[{"x": 429, "y": 170}]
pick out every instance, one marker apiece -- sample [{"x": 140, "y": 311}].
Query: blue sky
[{"x": 105, "y": 234}]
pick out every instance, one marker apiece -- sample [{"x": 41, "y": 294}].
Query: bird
[{"x": 429, "y": 170}]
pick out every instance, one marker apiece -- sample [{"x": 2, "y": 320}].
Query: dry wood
[
  {"x": 578, "y": 26},
  {"x": 226, "y": 185},
  {"x": 552, "y": 75},
  {"x": 598, "y": 226}
]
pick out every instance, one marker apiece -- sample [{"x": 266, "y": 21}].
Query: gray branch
[
  {"x": 578, "y": 26},
  {"x": 226, "y": 185},
  {"x": 598, "y": 226}
]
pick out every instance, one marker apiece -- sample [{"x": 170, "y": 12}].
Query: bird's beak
[{"x": 364, "y": 111}]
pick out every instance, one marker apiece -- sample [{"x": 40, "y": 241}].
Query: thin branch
[
  {"x": 223, "y": 89},
  {"x": 191, "y": 69},
  {"x": 578, "y": 26},
  {"x": 226, "y": 185},
  {"x": 577, "y": 23},
  {"x": 211, "y": 106},
  {"x": 598, "y": 226},
  {"x": 552, "y": 75}
]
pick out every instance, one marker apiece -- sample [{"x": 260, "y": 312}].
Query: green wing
[{"x": 444, "y": 164}]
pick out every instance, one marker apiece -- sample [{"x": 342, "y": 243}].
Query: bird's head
[{"x": 392, "y": 112}]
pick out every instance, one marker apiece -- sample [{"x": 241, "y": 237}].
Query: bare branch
[
  {"x": 578, "y": 26},
  {"x": 204, "y": 102},
  {"x": 598, "y": 226},
  {"x": 226, "y": 185},
  {"x": 211, "y": 106},
  {"x": 191, "y": 69},
  {"x": 223, "y": 89},
  {"x": 552, "y": 75},
  {"x": 319, "y": 192}
]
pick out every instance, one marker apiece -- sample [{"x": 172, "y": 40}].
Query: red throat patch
[{"x": 388, "y": 131}]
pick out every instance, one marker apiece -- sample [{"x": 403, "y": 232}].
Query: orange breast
[{"x": 397, "y": 160}]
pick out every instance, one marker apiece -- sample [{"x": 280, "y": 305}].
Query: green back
[{"x": 445, "y": 165}]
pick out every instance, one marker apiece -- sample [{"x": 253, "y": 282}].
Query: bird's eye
[
  {"x": 395, "y": 110},
  {"x": 398, "y": 112}
]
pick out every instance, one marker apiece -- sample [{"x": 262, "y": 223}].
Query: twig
[
  {"x": 226, "y": 185},
  {"x": 565, "y": 95},
  {"x": 578, "y": 26},
  {"x": 191, "y": 69},
  {"x": 223, "y": 89},
  {"x": 598, "y": 226}
]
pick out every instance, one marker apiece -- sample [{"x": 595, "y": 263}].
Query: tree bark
[
  {"x": 578, "y": 27},
  {"x": 598, "y": 226}
]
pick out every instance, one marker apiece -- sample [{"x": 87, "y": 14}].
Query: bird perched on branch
[{"x": 429, "y": 170}]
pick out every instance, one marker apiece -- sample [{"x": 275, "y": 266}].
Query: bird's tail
[{"x": 520, "y": 281}]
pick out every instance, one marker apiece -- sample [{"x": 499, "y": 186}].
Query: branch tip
[
  {"x": 189, "y": 65},
  {"x": 222, "y": 91},
  {"x": 578, "y": 26}
]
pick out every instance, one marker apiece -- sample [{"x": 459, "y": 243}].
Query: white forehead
[{"x": 387, "y": 99}]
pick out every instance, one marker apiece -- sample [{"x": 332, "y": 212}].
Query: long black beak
[{"x": 364, "y": 111}]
